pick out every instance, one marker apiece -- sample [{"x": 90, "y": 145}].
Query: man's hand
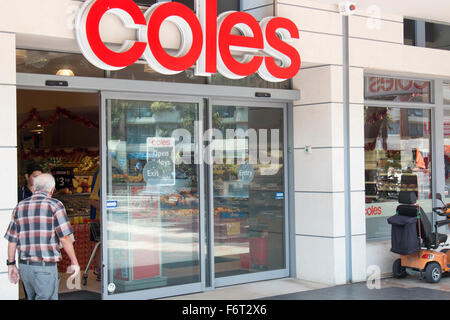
[
  {"x": 73, "y": 268},
  {"x": 13, "y": 274}
]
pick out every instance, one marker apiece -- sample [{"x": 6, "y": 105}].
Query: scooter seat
[{"x": 442, "y": 238}]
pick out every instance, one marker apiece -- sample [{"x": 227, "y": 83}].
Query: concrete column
[
  {"x": 319, "y": 175},
  {"x": 8, "y": 153}
]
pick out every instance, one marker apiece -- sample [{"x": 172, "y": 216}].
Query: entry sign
[
  {"x": 160, "y": 167},
  {"x": 245, "y": 173},
  {"x": 207, "y": 40}
]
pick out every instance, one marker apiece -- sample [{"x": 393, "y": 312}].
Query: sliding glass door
[
  {"x": 153, "y": 196},
  {"x": 188, "y": 206},
  {"x": 248, "y": 193}
]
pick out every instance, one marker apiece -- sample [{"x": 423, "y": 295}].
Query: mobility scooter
[{"x": 413, "y": 238}]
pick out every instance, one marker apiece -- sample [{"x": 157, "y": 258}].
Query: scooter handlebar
[{"x": 442, "y": 211}]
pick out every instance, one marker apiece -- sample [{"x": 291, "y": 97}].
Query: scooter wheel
[
  {"x": 398, "y": 270},
  {"x": 433, "y": 272},
  {"x": 84, "y": 280}
]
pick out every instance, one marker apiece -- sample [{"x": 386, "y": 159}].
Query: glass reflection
[
  {"x": 397, "y": 158},
  {"x": 248, "y": 174},
  {"x": 396, "y": 90},
  {"x": 47, "y": 62},
  {"x": 152, "y": 196}
]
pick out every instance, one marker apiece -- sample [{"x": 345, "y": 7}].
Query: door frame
[
  {"x": 152, "y": 292},
  {"x": 208, "y": 95},
  {"x": 90, "y": 84}
]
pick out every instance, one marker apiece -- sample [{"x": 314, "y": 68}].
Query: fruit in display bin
[
  {"x": 78, "y": 220},
  {"x": 138, "y": 178},
  {"x": 65, "y": 191},
  {"x": 82, "y": 184}
]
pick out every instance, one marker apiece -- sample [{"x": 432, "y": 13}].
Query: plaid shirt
[{"x": 37, "y": 224}]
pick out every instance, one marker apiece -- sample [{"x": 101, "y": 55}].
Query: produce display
[
  {"x": 123, "y": 178},
  {"x": 184, "y": 203},
  {"x": 75, "y": 204},
  {"x": 82, "y": 184},
  {"x": 83, "y": 172},
  {"x": 76, "y": 186},
  {"x": 387, "y": 174}
]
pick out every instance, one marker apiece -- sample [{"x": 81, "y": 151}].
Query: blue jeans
[{"x": 41, "y": 282}]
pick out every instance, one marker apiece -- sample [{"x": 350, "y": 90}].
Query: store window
[
  {"x": 222, "y": 6},
  {"x": 396, "y": 90},
  {"x": 426, "y": 34},
  {"x": 74, "y": 64},
  {"x": 253, "y": 80},
  {"x": 397, "y": 158},
  {"x": 142, "y": 71},
  {"x": 409, "y": 32},
  {"x": 55, "y": 63},
  {"x": 446, "y": 94},
  {"x": 437, "y": 36}
]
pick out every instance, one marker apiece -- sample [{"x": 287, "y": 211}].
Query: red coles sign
[{"x": 206, "y": 40}]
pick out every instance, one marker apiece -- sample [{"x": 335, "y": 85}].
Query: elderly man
[{"x": 37, "y": 226}]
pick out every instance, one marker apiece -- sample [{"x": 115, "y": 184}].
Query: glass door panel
[
  {"x": 152, "y": 195},
  {"x": 248, "y": 189}
]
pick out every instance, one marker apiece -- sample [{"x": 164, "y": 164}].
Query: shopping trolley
[{"x": 94, "y": 226}]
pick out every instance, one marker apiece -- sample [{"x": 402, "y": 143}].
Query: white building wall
[
  {"x": 375, "y": 46},
  {"x": 319, "y": 176},
  {"x": 319, "y": 123}
]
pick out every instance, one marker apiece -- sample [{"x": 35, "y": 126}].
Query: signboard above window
[{"x": 396, "y": 90}]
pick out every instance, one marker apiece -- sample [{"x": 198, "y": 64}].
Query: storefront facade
[{"x": 326, "y": 222}]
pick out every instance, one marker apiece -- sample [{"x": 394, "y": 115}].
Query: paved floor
[
  {"x": 410, "y": 288},
  {"x": 255, "y": 290},
  {"x": 360, "y": 291}
]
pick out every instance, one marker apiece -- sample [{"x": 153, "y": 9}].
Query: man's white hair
[{"x": 44, "y": 183}]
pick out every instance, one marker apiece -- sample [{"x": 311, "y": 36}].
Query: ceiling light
[{"x": 65, "y": 72}]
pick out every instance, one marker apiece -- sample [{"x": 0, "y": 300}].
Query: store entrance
[
  {"x": 59, "y": 132},
  {"x": 193, "y": 190}
]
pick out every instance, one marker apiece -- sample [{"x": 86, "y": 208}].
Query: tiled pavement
[
  {"x": 360, "y": 291},
  {"x": 410, "y": 288}
]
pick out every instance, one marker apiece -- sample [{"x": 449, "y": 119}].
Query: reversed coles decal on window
[{"x": 397, "y": 90}]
